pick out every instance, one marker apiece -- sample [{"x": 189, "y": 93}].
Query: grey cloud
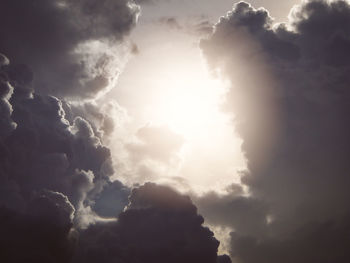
[
  {"x": 159, "y": 225},
  {"x": 60, "y": 42},
  {"x": 314, "y": 242},
  {"x": 53, "y": 173},
  {"x": 245, "y": 215},
  {"x": 289, "y": 96},
  {"x": 55, "y": 186},
  {"x": 6, "y": 90},
  {"x": 46, "y": 151},
  {"x": 102, "y": 116},
  {"x": 39, "y": 234}
]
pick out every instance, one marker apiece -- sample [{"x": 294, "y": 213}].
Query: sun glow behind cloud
[
  {"x": 190, "y": 105},
  {"x": 180, "y": 93}
]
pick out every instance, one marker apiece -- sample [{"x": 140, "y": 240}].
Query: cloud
[
  {"x": 204, "y": 27},
  {"x": 56, "y": 187},
  {"x": 103, "y": 115},
  {"x": 41, "y": 233},
  {"x": 232, "y": 210},
  {"x": 45, "y": 151},
  {"x": 289, "y": 96},
  {"x": 155, "y": 142},
  {"x": 74, "y": 47},
  {"x": 151, "y": 153},
  {"x": 159, "y": 225}
]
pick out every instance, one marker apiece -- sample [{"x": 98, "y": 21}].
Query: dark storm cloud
[
  {"x": 290, "y": 98},
  {"x": 61, "y": 41},
  {"x": 159, "y": 225},
  {"x": 46, "y": 151},
  {"x": 55, "y": 183},
  {"x": 43, "y": 150},
  {"x": 41, "y": 233}
]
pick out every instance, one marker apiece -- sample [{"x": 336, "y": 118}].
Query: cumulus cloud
[
  {"x": 43, "y": 150},
  {"x": 289, "y": 96},
  {"x": 42, "y": 233},
  {"x": 159, "y": 225},
  {"x": 56, "y": 186},
  {"x": 73, "y": 46},
  {"x": 58, "y": 202},
  {"x": 232, "y": 210}
]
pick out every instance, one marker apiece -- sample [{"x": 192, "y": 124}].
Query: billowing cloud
[
  {"x": 43, "y": 150},
  {"x": 290, "y": 99},
  {"x": 103, "y": 115},
  {"x": 39, "y": 234},
  {"x": 159, "y": 225},
  {"x": 72, "y": 46},
  {"x": 56, "y": 184}
]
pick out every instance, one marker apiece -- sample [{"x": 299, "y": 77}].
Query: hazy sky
[{"x": 152, "y": 131}]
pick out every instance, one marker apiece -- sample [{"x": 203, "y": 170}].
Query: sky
[
  {"x": 174, "y": 27},
  {"x": 148, "y": 131}
]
